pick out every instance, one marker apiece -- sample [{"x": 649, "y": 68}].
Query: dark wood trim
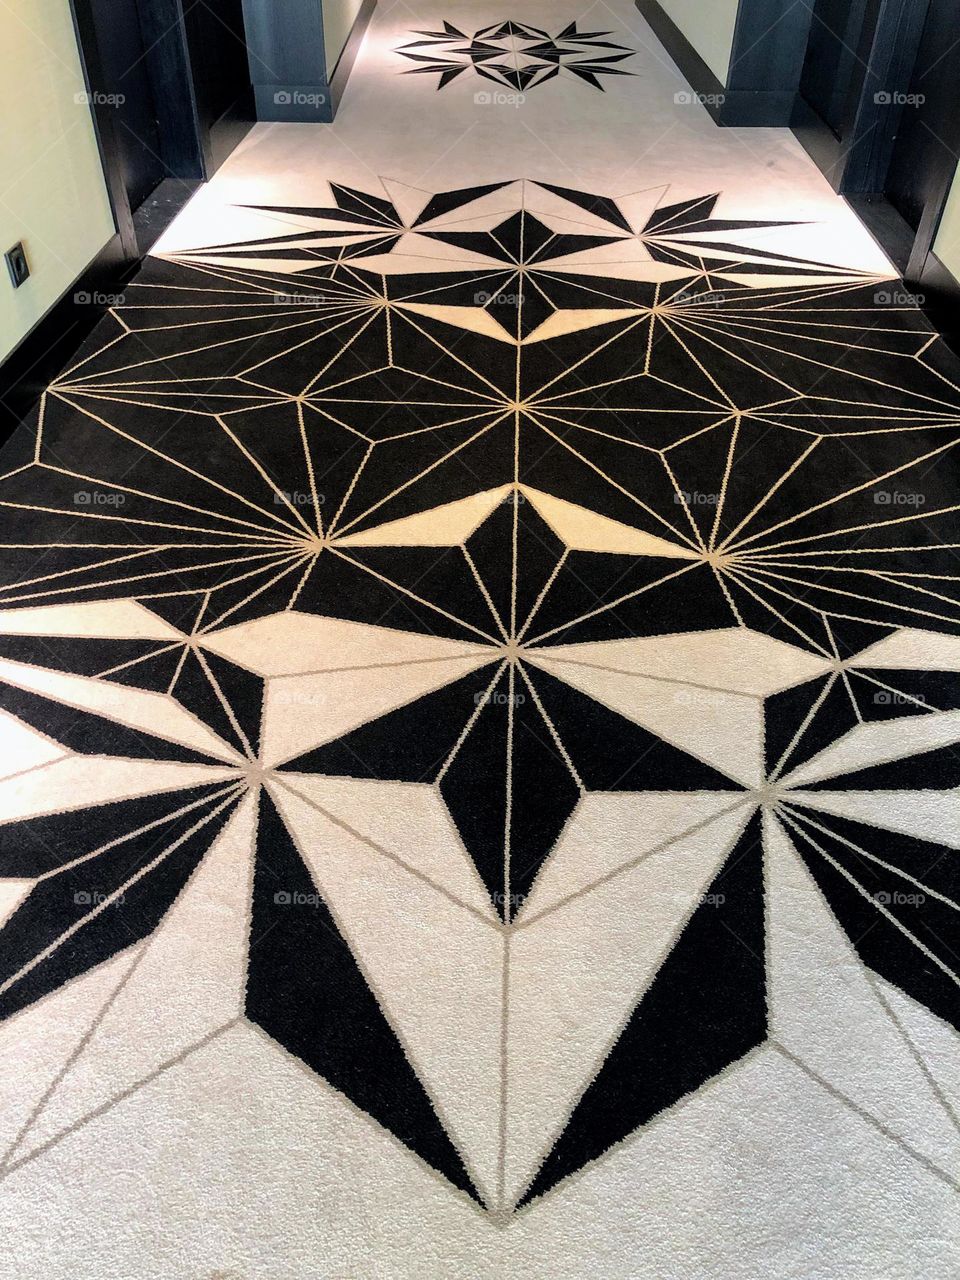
[
  {"x": 104, "y": 124},
  {"x": 887, "y": 225}
]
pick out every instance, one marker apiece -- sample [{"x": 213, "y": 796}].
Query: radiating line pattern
[{"x": 503, "y": 644}]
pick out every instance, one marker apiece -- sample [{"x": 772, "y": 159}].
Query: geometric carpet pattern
[
  {"x": 515, "y": 54},
  {"x": 461, "y": 634}
]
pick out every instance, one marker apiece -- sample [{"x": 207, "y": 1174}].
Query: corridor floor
[{"x": 479, "y": 644}]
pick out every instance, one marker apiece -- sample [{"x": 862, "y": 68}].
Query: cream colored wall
[
  {"x": 52, "y": 193},
  {"x": 947, "y": 244},
  {"x": 338, "y": 19},
  {"x": 708, "y": 25}
]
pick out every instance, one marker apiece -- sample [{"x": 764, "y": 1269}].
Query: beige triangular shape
[
  {"x": 106, "y": 619},
  {"x": 732, "y": 658},
  {"x": 301, "y": 712},
  {"x": 12, "y": 893},
  {"x": 475, "y": 319},
  {"x": 723, "y": 729},
  {"x": 585, "y": 530},
  {"x": 404, "y": 822},
  {"x": 448, "y": 525},
  {"x": 23, "y": 748},
  {"x": 912, "y": 649},
  {"x": 154, "y": 713},
  {"x": 611, "y": 831},
  {"x": 408, "y": 201},
  {"x": 563, "y": 322},
  {"x": 879, "y": 742},
  {"x": 927, "y": 815},
  {"x": 80, "y": 782},
  {"x": 296, "y": 643}
]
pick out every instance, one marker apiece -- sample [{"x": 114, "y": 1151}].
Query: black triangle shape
[
  {"x": 306, "y": 991},
  {"x": 406, "y": 745},
  {"x": 705, "y": 1009},
  {"x": 611, "y": 753}
]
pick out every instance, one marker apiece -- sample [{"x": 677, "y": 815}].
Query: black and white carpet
[{"x": 501, "y": 644}]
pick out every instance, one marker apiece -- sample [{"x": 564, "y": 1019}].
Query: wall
[
  {"x": 52, "y": 193},
  {"x": 709, "y": 26},
  {"x": 338, "y": 19},
  {"x": 947, "y": 244}
]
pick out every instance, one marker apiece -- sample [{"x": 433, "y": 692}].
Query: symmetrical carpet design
[
  {"x": 462, "y": 634},
  {"x": 516, "y": 54}
]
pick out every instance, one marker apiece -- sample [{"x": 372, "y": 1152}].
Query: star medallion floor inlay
[
  {"x": 480, "y": 669},
  {"x": 515, "y": 54}
]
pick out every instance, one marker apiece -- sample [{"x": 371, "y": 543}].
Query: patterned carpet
[{"x": 502, "y": 644}]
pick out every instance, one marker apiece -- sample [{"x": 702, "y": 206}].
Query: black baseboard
[
  {"x": 938, "y": 292},
  {"x": 52, "y": 342},
  {"x": 887, "y": 225},
  {"x": 341, "y": 72},
  {"x": 728, "y": 107}
]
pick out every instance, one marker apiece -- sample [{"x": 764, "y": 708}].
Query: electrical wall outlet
[{"x": 17, "y": 265}]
